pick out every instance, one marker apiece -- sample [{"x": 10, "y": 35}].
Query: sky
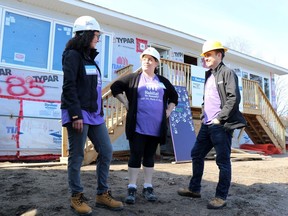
[{"x": 261, "y": 25}]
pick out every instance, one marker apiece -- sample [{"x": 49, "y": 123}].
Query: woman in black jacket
[
  {"x": 82, "y": 114},
  {"x": 150, "y": 99}
]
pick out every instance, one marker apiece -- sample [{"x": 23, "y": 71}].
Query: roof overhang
[{"x": 75, "y": 8}]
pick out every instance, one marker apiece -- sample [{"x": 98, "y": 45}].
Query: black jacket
[
  {"x": 79, "y": 91},
  {"x": 129, "y": 85},
  {"x": 228, "y": 89}
]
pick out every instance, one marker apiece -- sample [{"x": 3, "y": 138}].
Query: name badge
[{"x": 91, "y": 70}]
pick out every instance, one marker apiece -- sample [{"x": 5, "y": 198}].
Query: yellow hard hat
[{"x": 212, "y": 45}]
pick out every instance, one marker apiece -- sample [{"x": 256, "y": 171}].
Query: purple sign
[{"x": 182, "y": 127}]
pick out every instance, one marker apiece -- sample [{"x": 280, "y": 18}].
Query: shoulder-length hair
[{"x": 81, "y": 41}]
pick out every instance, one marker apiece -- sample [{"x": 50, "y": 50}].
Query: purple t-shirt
[
  {"x": 91, "y": 118},
  {"x": 212, "y": 100},
  {"x": 150, "y": 106}
]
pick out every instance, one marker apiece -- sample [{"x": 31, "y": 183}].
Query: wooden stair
[
  {"x": 257, "y": 129},
  {"x": 115, "y": 112},
  {"x": 263, "y": 124},
  {"x": 118, "y": 130}
]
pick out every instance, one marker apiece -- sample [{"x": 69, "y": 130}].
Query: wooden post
[{"x": 64, "y": 150}]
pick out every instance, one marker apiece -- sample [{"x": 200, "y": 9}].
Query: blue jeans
[
  {"x": 99, "y": 136},
  {"x": 208, "y": 137}
]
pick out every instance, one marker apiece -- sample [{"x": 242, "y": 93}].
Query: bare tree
[
  {"x": 281, "y": 90},
  {"x": 238, "y": 44}
]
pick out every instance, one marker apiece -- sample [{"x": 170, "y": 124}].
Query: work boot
[
  {"x": 130, "y": 199},
  {"x": 216, "y": 203},
  {"x": 186, "y": 192},
  {"x": 149, "y": 194},
  {"x": 79, "y": 205},
  {"x": 106, "y": 200}
]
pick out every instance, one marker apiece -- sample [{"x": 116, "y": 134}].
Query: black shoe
[
  {"x": 148, "y": 194},
  {"x": 186, "y": 192},
  {"x": 130, "y": 199}
]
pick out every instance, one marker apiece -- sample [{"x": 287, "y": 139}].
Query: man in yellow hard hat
[{"x": 220, "y": 116}]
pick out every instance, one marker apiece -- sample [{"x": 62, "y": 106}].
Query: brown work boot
[
  {"x": 106, "y": 200},
  {"x": 216, "y": 203},
  {"x": 186, "y": 192},
  {"x": 79, "y": 205}
]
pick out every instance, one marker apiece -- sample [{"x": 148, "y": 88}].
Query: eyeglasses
[{"x": 97, "y": 35}]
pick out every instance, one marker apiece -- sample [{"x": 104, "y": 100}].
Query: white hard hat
[
  {"x": 151, "y": 51},
  {"x": 86, "y": 23}
]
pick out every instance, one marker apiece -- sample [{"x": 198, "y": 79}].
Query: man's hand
[{"x": 215, "y": 121}]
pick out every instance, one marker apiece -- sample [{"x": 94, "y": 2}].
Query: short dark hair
[{"x": 222, "y": 51}]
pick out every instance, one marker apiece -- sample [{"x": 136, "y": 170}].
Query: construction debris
[{"x": 240, "y": 155}]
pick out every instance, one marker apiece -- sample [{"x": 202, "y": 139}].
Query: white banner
[
  {"x": 40, "y": 136},
  {"x": 30, "y": 112},
  {"x": 22, "y": 84},
  {"x": 41, "y": 109},
  {"x": 197, "y": 82},
  {"x": 127, "y": 50},
  {"x": 177, "y": 56},
  {"x": 9, "y": 107},
  {"x": 239, "y": 75},
  {"x": 8, "y": 133}
]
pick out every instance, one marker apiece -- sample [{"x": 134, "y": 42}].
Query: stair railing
[
  {"x": 255, "y": 99},
  {"x": 114, "y": 110},
  {"x": 178, "y": 74}
]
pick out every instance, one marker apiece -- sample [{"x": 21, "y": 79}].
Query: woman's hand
[
  {"x": 78, "y": 125},
  {"x": 169, "y": 109},
  {"x": 123, "y": 100},
  {"x": 168, "y": 113}
]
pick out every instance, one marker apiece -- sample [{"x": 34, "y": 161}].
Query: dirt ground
[{"x": 259, "y": 187}]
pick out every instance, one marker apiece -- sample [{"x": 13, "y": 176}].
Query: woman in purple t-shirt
[{"x": 150, "y": 99}]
